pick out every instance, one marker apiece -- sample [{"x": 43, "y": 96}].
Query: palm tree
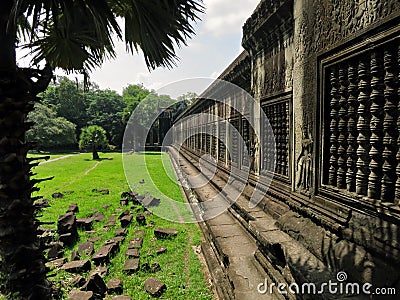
[{"x": 76, "y": 36}]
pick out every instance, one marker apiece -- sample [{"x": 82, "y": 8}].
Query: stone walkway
[{"x": 230, "y": 249}]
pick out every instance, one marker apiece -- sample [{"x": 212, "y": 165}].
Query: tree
[
  {"x": 105, "y": 109},
  {"x": 132, "y": 95},
  {"x": 68, "y": 100},
  {"x": 50, "y": 131},
  {"x": 76, "y": 36},
  {"x": 93, "y": 138}
]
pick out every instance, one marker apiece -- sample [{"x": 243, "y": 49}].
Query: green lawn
[{"x": 77, "y": 175}]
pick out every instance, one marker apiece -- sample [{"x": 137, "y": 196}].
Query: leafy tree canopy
[{"x": 50, "y": 131}]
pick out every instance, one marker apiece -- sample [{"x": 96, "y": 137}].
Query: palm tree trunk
[{"x": 23, "y": 274}]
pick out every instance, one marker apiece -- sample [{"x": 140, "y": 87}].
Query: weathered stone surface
[
  {"x": 126, "y": 220},
  {"x": 77, "y": 266},
  {"x": 95, "y": 284},
  {"x": 141, "y": 219},
  {"x": 84, "y": 223},
  {"x": 139, "y": 233},
  {"x": 80, "y": 295},
  {"x": 161, "y": 250},
  {"x": 112, "y": 220},
  {"x": 56, "y": 251},
  {"x": 78, "y": 281},
  {"x": 151, "y": 202},
  {"x": 135, "y": 243},
  {"x": 131, "y": 265},
  {"x": 121, "y": 232},
  {"x": 86, "y": 248},
  {"x": 119, "y": 239},
  {"x": 98, "y": 217},
  {"x": 132, "y": 253},
  {"x": 68, "y": 239},
  {"x": 163, "y": 233},
  {"x": 155, "y": 266},
  {"x": 75, "y": 255},
  {"x": 124, "y": 201},
  {"x": 57, "y": 263},
  {"x": 94, "y": 239},
  {"x": 66, "y": 223},
  {"x": 124, "y": 213},
  {"x": 154, "y": 286},
  {"x": 101, "y": 191},
  {"x": 73, "y": 208},
  {"x": 91, "y": 232},
  {"x": 101, "y": 270},
  {"x": 105, "y": 253},
  {"x": 114, "y": 285},
  {"x": 57, "y": 195},
  {"x": 106, "y": 206},
  {"x": 148, "y": 213}
]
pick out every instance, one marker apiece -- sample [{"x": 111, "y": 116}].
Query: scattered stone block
[
  {"x": 141, "y": 219},
  {"x": 155, "y": 266},
  {"x": 112, "y": 220},
  {"x": 139, "y": 233},
  {"x": 135, "y": 253},
  {"x": 124, "y": 213},
  {"x": 77, "y": 266},
  {"x": 57, "y": 263},
  {"x": 78, "y": 281},
  {"x": 66, "y": 223},
  {"x": 154, "y": 286},
  {"x": 151, "y": 202},
  {"x": 68, "y": 239},
  {"x": 104, "y": 254},
  {"x": 148, "y": 213},
  {"x": 164, "y": 233},
  {"x": 114, "y": 285},
  {"x": 119, "y": 239},
  {"x": 126, "y": 220},
  {"x": 86, "y": 248},
  {"x": 106, "y": 206},
  {"x": 80, "y": 295},
  {"x": 56, "y": 251},
  {"x": 101, "y": 270},
  {"x": 121, "y": 232},
  {"x": 135, "y": 243},
  {"x": 73, "y": 208},
  {"x": 161, "y": 250},
  {"x": 75, "y": 255},
  {"x": 84, "y": 223},
  {"x": 95, "y": 284},
  {"x": 91, "y": 232},
  {"x": 94, "y": 239},
  {"x": 123, "y": 201},
  {"x": 101, "y": 191},
  {"x": 121, "y": 298},
  {"x": 98, "y": 217},
  {"x": 131, "y": 265},
  {"x": 57, "y": 195}
]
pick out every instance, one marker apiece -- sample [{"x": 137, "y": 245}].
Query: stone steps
[{"x": 281, "y": 258}]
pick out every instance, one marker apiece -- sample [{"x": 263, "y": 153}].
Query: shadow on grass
[{"x": 99, "y": 159}]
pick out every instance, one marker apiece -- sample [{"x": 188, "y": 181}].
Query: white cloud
[{"x": 225, "y": 17}]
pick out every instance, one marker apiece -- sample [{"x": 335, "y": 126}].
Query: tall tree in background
[
  {"x": 73, "y": 35},
  {"x": 93, "y": 138}
]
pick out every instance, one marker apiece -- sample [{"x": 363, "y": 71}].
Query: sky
[{"x": 216, "y": 44}]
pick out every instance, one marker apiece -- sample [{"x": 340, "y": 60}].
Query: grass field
[{"x": 77, "y": 175}]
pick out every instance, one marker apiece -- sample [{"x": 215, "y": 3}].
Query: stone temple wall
[{"x": 327, "y": 75}]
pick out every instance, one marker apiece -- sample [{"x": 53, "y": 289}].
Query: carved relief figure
[{"x": 304, "y": 163}]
